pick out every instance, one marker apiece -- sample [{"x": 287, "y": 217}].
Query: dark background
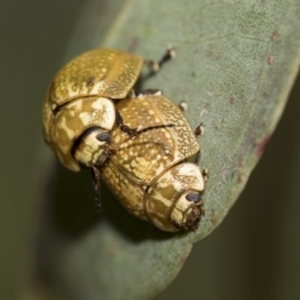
[
  {"x": 33, "y": 39},
  {"x": 253, "y": 254}
]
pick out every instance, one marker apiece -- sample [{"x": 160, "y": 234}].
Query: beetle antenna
[
  {"x": 138, "y": 132},
  {"x": 97, "y": 188}
]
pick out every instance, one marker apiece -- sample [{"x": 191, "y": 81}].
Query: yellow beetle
[
  {"x": 81, "y": 97},
  {"x": 149, "y": 172},
  {"x": 80, "y": 103},
  {"x": 138, "y": 145}
]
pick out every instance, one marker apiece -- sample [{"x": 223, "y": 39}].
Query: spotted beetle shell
[
  {"x": 148, "y": 155},
  {"x": 81, "y": 96},
  {"x": 148, "y": 174},
  {"x": 103, "y": 72}
]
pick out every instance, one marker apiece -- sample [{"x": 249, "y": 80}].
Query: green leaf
[{"x": 235, "y": 65}]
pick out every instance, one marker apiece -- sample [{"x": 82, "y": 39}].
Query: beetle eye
[
  {"x": 104, "y": 137},
  {"x": 193, "y": 197}
]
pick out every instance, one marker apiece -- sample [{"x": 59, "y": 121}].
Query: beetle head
[{"x": 91, "y": 147}]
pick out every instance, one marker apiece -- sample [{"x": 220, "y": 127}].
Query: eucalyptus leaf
[{"x": 235, "y": 65}]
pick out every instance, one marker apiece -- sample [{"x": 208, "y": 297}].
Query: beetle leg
[
  {"x": 169, "y": 54},
  {"x": 154, "y": 92},
  {"x": 205, "y": 174},
  {"x": 133, "y": 132},
  {"x": 196, "y": 161},
  {"x": 123, "y": 127},
  {"x": 182, "y": 106},
  {"x": 200, "y": 204},
  {"x": 131, "y": 94},
  {"x": 197, "y": 158},
  {"x": 140, "y": 131},
  {"x": 199, "y": 129},
  {"x": 155, "y": 66},
  {"x": 97, "y": 188}
]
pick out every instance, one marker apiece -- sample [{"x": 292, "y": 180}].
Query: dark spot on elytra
[{"x": 90, "y": 81}]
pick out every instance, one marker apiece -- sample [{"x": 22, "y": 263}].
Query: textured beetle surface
[
  {"x": 140, "y": 146},
  {"x": 149, "y": 174},
  {"x": 81, "y": 94}
]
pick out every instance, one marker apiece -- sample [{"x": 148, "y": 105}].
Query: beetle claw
[
  {"x": 199, "y": 130},
  {"x": 155, "y": 66},
  {"x": 170, "y": 54}
]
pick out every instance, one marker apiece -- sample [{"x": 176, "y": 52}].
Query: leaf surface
[{"x": 235, "y": 65}]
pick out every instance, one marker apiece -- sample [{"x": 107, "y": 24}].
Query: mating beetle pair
[{"x": 139, "y": 145}]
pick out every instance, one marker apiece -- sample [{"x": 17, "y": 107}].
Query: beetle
[
  {"x": 150, "y": 172},
  {"x": 80, "y": 101},
  {"x": 140, "y": 146}
]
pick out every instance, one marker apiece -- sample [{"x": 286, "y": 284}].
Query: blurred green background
[
  {"x": 34, "y": 36},
  {"x": 253, "y": 254}
]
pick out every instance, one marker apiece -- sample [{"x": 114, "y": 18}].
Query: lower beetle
[{"x": 149, "y": 171}]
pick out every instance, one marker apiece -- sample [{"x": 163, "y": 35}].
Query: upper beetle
[{"x": 80, "y": 102}]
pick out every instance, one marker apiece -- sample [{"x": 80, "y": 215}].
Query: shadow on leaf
[{"x": 74, "y": 211}]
